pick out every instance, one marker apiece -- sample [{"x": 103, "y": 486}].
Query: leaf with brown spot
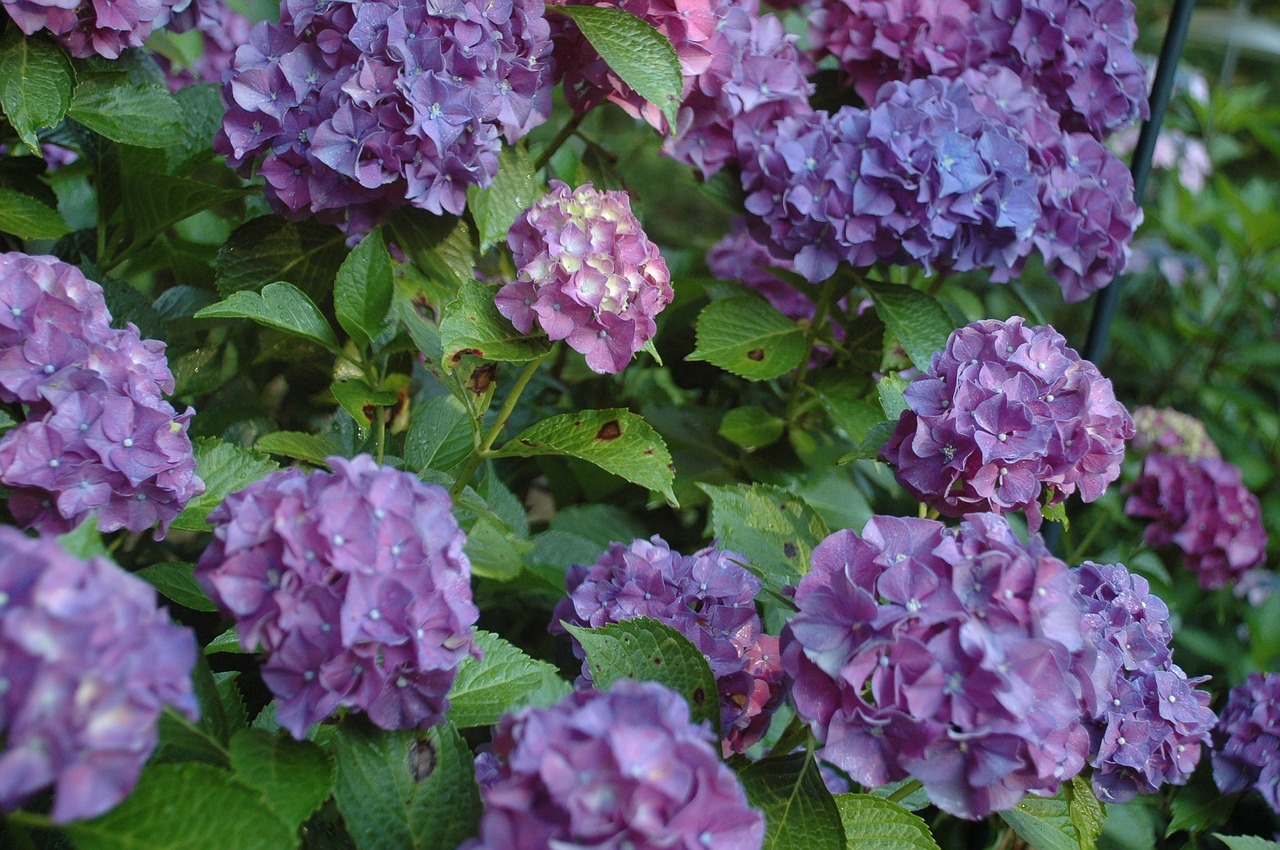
[
  {"x": 472, "y": 325},
  {"x": 746, "y": 335},
  {"x": 610, "y": 430}
]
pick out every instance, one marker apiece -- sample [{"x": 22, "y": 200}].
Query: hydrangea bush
[{"x": 626, "y": 424}]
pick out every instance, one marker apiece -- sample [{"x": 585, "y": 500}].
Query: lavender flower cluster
[
  {"x": 355, "y": 584},
  {"x": 87, "y": 663},
  {"x": 709, "y": 598},
  {"x": 1201, "y": 506},
  {"x": 1008, "y": 418},
  {"x": 88, "y": 28},
  {"x": 622, "y": 769},
  {"x": 357, "y": 107},
  {"x": 1248, "y": 753},
  {"x": 99, "y": 439},
  {"x": 1152, "y": 723},
  {"x": 587, "y": 274},
  {"x": 954, "y": 656}
]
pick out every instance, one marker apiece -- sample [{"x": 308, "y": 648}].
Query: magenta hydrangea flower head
[
  {"x": 355, "y": 585},
  {"x": 99, "y": 439},
  {"x": 1202, "y": 507},
  {"x": 1248, "y": 738},
  {"x": 1151, "y": 722},
  {"x": 1170, "y": 432},
  {"x": 1008, "y": 418},
  {"x": 88, "y": 28},
  {"x": 357, "y": 108},
  {"x": 709, "y": 598},
  {"x": 586, "y": 273},
  {"x": 954, "y": 656},
  {"x": 622, "y": 769},
  {"x": 87, "y": 664}
]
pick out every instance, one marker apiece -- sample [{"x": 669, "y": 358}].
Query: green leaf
[
  {"x": 439, "y": 245},
  {"x": 1197, "y": 806},
  {"x": 362, "y": 291},
  {"x": 228, "y": 641},
  {"x": 84, "y": 541},
  {"x": 745, "y": 335},
  {"x": 6, "y": 421},
  {"x": 440, "y": 435},
  {"x": 280, "y": 306},
  {"x": 503, "y": 680},
  {"x": 27, "y": 218},
  {"x": 201, "y": 111},
  {"x": 405, "y": 790},
  {"x": 312, "y": 448},
  {"x": 294, "y": 777},
  {"x": 356, "y": 398},
  {"x": 154, "y": 202},
  {"x": 225, "y": 468},
  {"x": 413, "y": 307},
  {"x": 751, "y": 427},
  {"x": 773, "y": 528},
  {"x": 35, "y": 84},
  {"x": 473, "y": 326},
  {"x": 615, "y": 440},
  {"x": 514, "y": 189},
  {"x": 185, "y": 807},
  {"x": 1070, "y": 820},
  {"x": 1084, "y": 810},
  {"x": 918, "y": 321},
  {"x": 493, "y": 551},
  {"x": 872, "y": 823},
  {"x": 636, "y": 51},
  {"x": 125, "y": 111},
  {"x": 872, "y": 443},
  {"x": 269, "y": 248},
  {"x": 1246, "y": 842},
  {"x": 892, "y": 402},
  {"x": 799, "y": 811},
  {"x": 650, "y": 651},
  {"x": 176, "y": 582}
]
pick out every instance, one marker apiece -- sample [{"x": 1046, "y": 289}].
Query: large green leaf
[
  {"x": 27, "y": 218},
  {"x": 362, "y": 291},
  {"x": 280, "y": 306},
  {"x": 269, "y": 248},
  {"x": 176, "y": 582},
  {"x": 504, "y": 679},
  {"x": 493, "y": 550},
  {"x": 126, "y": 111},
  {"x": 405, "y": 790},
  {"x": 918, "y": 321},
  {"x": 615, "y": 440},
  {"x": 799, "y": 811},
  {"x": 651, "y": 651},
  {"x": 186, "y": 806},
  {"x": 495, "y": 208},
  {"x": 202, "y": 112},
  {"x": 873, "y": 823},
  {"x": 439, "y": 245},
  {"x": 294, "y": 777},
  {"x": 35, "y": 84},
  {"x": 224, "y": 468},
  {"x": 1246, "y": 842},
  {"x": 299, "y": 445},
  {"x": 751, "y": 427},
  {"x": 636, "y": 51},
  {"x": 473, "y": 326},
  {"x": 154, "y": 202},
  {"x": 1070, "y": 820},
  {"x": 745, "y": 335},
  {"x": 440, "y": 435}
]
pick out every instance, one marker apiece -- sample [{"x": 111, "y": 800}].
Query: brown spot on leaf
[
  {"x": 610, "y": 430},
  {"x": 423, "y": 308},
  {"x": 699, "y": 696},
  {"x": 474, "y": 352},
  {"x": 525, "y": 442},
  {"x": 369, "y": 410},
  {"x": 422, "y": 759},
  {"x": 650, "y": 452},
  {"x": 657, "y": 661},
  {"x": 482, "y": 379},
  {"x": 789, "y": 549},
  {"x": 756, "y": 354}
]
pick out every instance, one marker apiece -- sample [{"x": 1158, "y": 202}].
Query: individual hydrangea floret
[
  {"x": 98, "y": 28},
  {"x": 356, "y": 108},
  {"x": 1008, "y": 418},
  {"x": 354, "y": 583},
  {"x": 1202, "y": 507},
  {"x": 1248, "y": 735},
  {"x": 99, "y": 439},
  {"x": 87, "y": 664},
  {"x": 954, "y": 656},
  {"x": 586, "y": 273},
  {"x": 622, "y": 769},
  {"x": 709, "y": 598},
  {"x": 1151, "y": 721},
  {"x": 1170, "y": 432}
]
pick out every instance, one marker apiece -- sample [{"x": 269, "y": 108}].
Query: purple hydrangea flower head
[
  {"x": 88, "y": 28},
  {"x": 1202, "y": 507},
  {"x": 1167, "y": 431},
  {"x": 1248, "y": 735},
  {"x": 222, "y": 30},
  {"x": 354, "y": 583},
  {"x": 586, "y": 273},
  {"x": 356, "y": 108},
  {"x": 620, "y": 769},
  {"x": 956, "y": 657},
  {"x": 99, "y": 438},
  {"x": 1008, "y": 418},
  {"x": 709, "y": 598},
  {"x": 87, "y": 664},
  {"x": 1150, "y": 722}
]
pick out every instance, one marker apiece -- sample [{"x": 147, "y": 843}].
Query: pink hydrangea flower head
[
  {"x": 87, "y": 664},
  {"x": 88, "y": 28},
  {"x": 954, "y": 656},
  {"x": 355, "y": 585},
  {"x": 586, "y": 273},
  {"x": 1248, "y": 735},
  {"x": 620, "y": 769},
  {"x": 1170, "y": 432}
]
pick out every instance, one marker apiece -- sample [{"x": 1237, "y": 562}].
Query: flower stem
[
  {"x": 905, "y": 791},
  {"x": 504, "y": 414},
  {"x": 823, "y": 308},
  {"x": 563, "y": 136}
]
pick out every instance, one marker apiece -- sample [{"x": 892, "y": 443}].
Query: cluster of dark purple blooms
[
  {"x": 1152, "y": 722},
  {"x": 1248, "y": 753},
  {"x": 222, "y": 30},
  {"x": 709, "y": 598},
  {"x": 88, "y": 28},
  {"x": 87, "y": 663},
  {"x": 587, "y": 274},
  {"x": 357, "y": 107},
  {"x": 99, "y": 439},
  {"x": 1008, "y": 418},
  {"x": 355, "y": 584},
  {"x": 621, "y": 769}
]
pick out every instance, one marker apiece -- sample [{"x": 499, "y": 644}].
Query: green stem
[
  {"x": 504, "y": 414},
  {"x": 19, "y": 822},
  {"x": 563, "y": 136},
  {"x": 825, "y": 299},
  {"x": 905, "y": 791}
]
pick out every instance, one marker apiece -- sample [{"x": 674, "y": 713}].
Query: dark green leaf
[
  {"x": 745, "y": 335},
  {"x": 440, "y": 245},
  {"x": 503, "y": 680},
  {"x": 440, "y": 435},
  {"x": 1197, "y": 806},
  {"x": 280, "y": 306},
  {"x": 84, "y": 541},
  {"x": 269, "y": 248},
  {"x": 154, "y": 202},
  {"x": 774, "y": 529},
  {"x": 617, "y": 441},
  {"x": 513, "y": 190},
  {"x": 872, "y": 823},
  {"x": 918, "y": 321},
  {"x": 125, "y": 111},
  {"x": 294, "y": 777},
  {"x": 313, "y": 448},
  {"x": 224, "y": 468},
  {"x": 202, "y": 111},
  {"x": 751, "y": 427},
  {"x": 889, "y": 389},
  {"x": 362, "y": 291},
  {"x": 799, "y": 811},
  {"x": 228, "y": 641},
  {"x": 412, "y": 306},
  {"x": 1056, "y": 823},
  {"x": 176, "y": 582},
  {"x": 359, "y": 400},
  {"x": 27, "y": 218},
  {"x": 35, "y": 84},
  {"x": 873, "y": 442},
  {"x": 473, "y": 326}
]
